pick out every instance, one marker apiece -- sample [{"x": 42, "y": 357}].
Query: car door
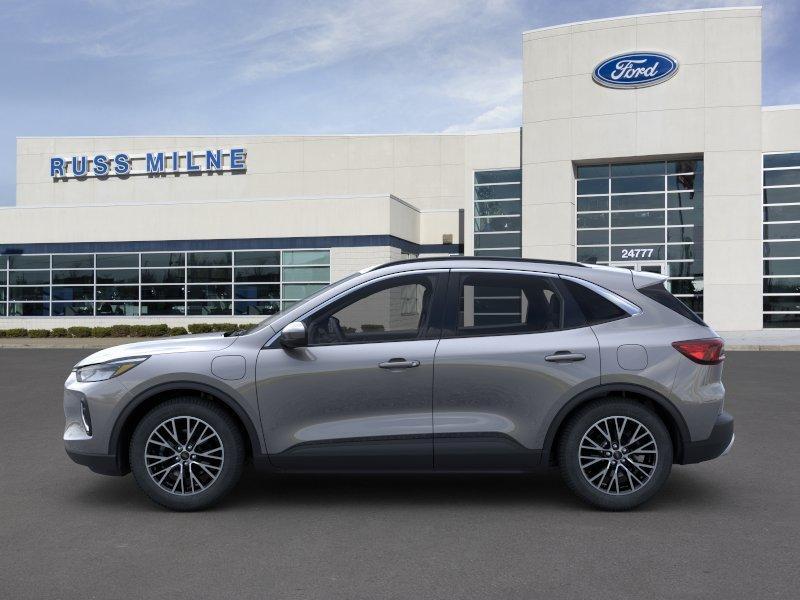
[
  {"x": 358, "y": 396},
  {"x": 514, "y": 349}
]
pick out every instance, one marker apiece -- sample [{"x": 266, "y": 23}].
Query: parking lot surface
[{"x": 729, "y": 528}]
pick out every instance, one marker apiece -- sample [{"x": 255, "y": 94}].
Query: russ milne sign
[
  {"x": 122, "y": 164},
  {"x": 635, "y": 70}
]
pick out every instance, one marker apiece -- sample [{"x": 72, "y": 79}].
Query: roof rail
[{"x": 485, "y": 258}]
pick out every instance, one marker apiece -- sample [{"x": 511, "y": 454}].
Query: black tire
[
  {"x": 631, "y": 496},
  {"x": 228, "y": 433}
]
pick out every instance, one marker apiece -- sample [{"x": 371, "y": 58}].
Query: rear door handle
[
  {"x": 565, "y": 356},
  {"x": 399, "y": 363}
]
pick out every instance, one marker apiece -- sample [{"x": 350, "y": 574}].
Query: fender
[
  {"x": 230, "y": 402},
  {"x": 610, "y": 388}
]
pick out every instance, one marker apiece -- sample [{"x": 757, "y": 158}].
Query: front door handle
[
  {"x": 399, "y": 363},
  {"x": 565, "y": 356}
]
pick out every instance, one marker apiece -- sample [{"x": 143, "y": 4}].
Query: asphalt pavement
[{"x": 729, "y": 528}]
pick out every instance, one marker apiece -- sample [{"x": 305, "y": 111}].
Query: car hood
[{"x": 205, "y": 342}]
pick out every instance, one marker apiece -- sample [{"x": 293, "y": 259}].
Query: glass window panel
[
  {"x": 787, "y": 177},
  {"x": 495, "y": 240},
  {"x": 258, "y": 258},
  {"x": 637, "y": 201},
  {"x": 118, "y": 276},
  {"x": 117, "y": 309},
  {"x": 162, "y": 308},
  {"x": 507, "y": 253},
  {"x": 684, "y": 217},
  {"x": 782, "y": 285},
  {"x": 24, "y": 261},
  {"x": 685, "y": 200},
  {"x": 782, "y": 231},
  {"x": 782, "y": 195},
  {"x": 220, "y": 307},
  {"x": 592, "y": 220},
  {"x": 28, "y": 309},
  {"x": 163, "y": 276},
  {"x": 494, "y": 192},
  {"x": 162, "y": 292},
  {"x": 163, "y": 259},
  {"x": 72, "y": 309},
  {"x": 637, "y": 184},
  {"x": 2, "y": 277},
  {"x": 255, "y": 292},
  {"x": 2, "y": 310},
  {"x": 782, "y": 303},
  {"x": 84, "y": 292},
  {"x": 684, "y": 269},
  {"x": 684, "y": 182},
  {"x": 117, "y": 292},
  {"x": 2, "y": 294},
  {"x": 3, "y": 262},
  {"x": 209, "y": 259},
  {"x": 257, "y": 308},
  {"x": 498, "y": 224},
  {"x": 498, "y": 176},
  {"x": 637, "y": 236},
  {"x": 788, "y": 159},
  {"x": 637, "y": 219},
  {"x": 592, "y": 186},
  {"x": 209, "y": 292},
  {"x": 775, "y": 321},
  {"x": 306, "y": 257},
  {"x": 209, "y": 275},
  {"x": 73, "y": 261},
  {"x": 684, "y": 166},
  {"x": 306, "y": 274},
  {"x": 508, "y": 207},
  {"x": 779, "y": 249},
  {"x": 114, "y": 261},
  {"x": 297, "y": 291},
  {"x": 257, "y": 274},
  {"x": 680, "y": 234},
  {"x": 680, "y": 252},
  {"x": 647, "y": 168},
  {"x": 592, "y": 255},
  {"x": 29, "y": 293},
  {"x": 29, "y": 277},
  {"x": 639, "y": 252},
  {"x": 782, "y": 267},
  {"x": 685, "y": 286},
  {"x": 593, "y": 203},
  {"x": 586, "y": 171},
  {"x": 782, "y": 213},
  {"x": 592, "y": 237},
  {"x": 73, "y": 277}
]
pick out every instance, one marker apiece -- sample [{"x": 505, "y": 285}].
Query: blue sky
[{"x": 109, "y": 67}]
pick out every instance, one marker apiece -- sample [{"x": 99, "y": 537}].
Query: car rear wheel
[
  {"x": 186, "y": 454},
  {"x": 615, "y": 454}
]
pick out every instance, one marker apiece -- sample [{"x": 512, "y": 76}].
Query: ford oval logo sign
[{"x": 635, "y": 70}]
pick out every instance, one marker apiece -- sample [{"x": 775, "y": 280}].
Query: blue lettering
[
  {"x": 121, "y": 164},
  {"x": 79, "y": 167},
  {"x": 237, "y": 159},
  {"x": 213, "y": 160},
  {"x": 176, "y": 161},
  {"x": 100, "y": 165},
  {"x": 190, "y": 166},
  {"x": 56, "y": 167},
  {"x": 155, "y": 162}
]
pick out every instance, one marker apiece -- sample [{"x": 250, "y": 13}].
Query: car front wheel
[
  {"x": 615, "y": 454},
  {"x": 186, "y": 454}
]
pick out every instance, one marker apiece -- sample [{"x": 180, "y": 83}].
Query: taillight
[{"x": 704, "y": 352}]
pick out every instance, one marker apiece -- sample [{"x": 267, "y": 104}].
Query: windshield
[{"x": 279, "y": 314}]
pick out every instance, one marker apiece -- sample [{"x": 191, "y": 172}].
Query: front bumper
[{"x": 718, "y": 443}]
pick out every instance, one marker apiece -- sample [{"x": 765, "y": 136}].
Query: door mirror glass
[{"x": 294, "y": 335}]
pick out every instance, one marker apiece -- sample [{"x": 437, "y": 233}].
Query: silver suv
[{"x": 447, "y": 365}]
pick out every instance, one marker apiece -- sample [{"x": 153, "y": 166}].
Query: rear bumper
[
  {"x": 105, "y": 464},
  {"x": 717, "y": 444}
]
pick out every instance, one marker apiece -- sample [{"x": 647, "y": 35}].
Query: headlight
[{"x": 107, "y": 370}]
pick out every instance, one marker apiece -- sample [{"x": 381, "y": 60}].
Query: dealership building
[{"x": 643, "y": 144}]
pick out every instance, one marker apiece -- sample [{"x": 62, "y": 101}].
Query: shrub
[
  {"x": 59, "y": 332},
  {"x": 200, "y": 328},
  {"x": 138, "y": 331},
  {"x": 2, "y": 333},
  {"x": 101, "y": 332},
  {"x": 80, "y": 332},
  {"x": 16, "y": 332},
  {"x": 120, "y": 330},
  {"x": 38, "y": 333},
  {"x": 224, "y": 327},
  {"x": 177, "y": 331},
  {"x": 157, "y": 330}
]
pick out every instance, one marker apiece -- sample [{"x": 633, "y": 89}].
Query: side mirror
[{"x": 294, "y": 335}]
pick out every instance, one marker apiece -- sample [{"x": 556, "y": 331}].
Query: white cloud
[{"x": 498, "y": 117}]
